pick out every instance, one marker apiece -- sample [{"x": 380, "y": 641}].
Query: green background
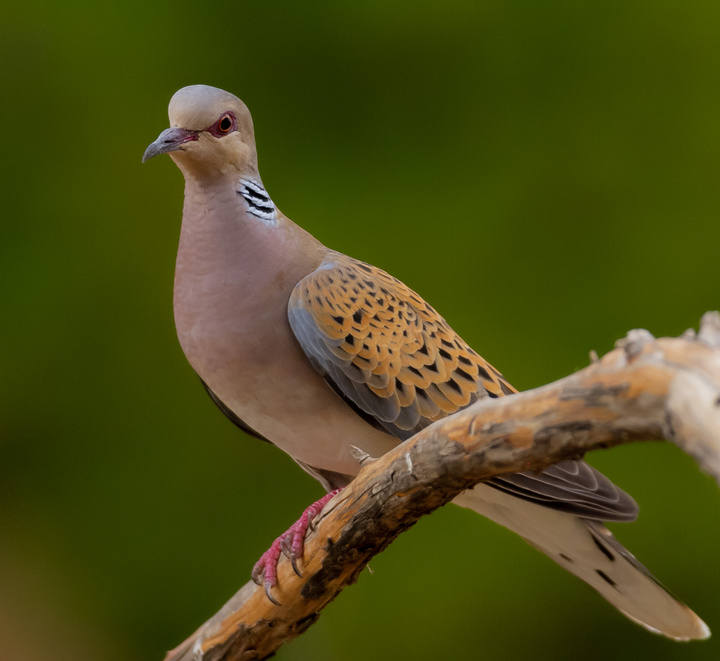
[{"x": 544, "y": 173}]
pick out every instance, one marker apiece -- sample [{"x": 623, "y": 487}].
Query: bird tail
[{"x": 587, "y": 549}]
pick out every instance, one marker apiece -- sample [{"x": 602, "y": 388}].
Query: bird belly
[{"x": 258, "y": 370}]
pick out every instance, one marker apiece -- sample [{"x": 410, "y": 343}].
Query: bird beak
[{"x": 169, "y": 140}]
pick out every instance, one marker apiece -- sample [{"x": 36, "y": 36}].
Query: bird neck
[{"x": 237, "y": 248}]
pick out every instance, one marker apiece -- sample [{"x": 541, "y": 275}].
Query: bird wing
[
  {"x": 398, "y": 364},
  {"x": 384, "y": 348}
]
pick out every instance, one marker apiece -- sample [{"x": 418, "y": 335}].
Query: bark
[{"x": 646, "y": 389}]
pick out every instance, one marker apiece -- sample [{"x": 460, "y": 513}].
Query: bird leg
[{"x": 291, "y": 543}]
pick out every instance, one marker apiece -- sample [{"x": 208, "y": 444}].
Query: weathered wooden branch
[{"x": 645, "y": 389}]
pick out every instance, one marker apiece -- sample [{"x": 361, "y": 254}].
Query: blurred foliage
[{"x": 545, "y": 173}]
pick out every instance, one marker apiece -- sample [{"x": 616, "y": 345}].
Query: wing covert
[{"x": 384, "y": 348}]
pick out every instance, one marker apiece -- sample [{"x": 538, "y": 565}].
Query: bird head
[{"x": 210, "y": 135}]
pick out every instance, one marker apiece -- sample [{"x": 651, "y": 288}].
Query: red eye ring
[
  {"x": 223, "y": 126},
  {"x": 225, "y": 123}
]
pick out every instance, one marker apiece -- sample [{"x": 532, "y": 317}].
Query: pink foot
[{"x": 291, "y": 543}]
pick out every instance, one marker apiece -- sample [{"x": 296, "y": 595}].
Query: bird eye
[{"x": 225, "y": 123}]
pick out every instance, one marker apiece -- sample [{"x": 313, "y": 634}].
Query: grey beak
[{"x": 169, "y": 140}]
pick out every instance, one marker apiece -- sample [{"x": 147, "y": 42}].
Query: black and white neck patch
[{"x": 258, "y": 201}]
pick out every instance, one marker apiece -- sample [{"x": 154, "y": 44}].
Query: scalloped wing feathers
[{"x": 391, "y": 353}]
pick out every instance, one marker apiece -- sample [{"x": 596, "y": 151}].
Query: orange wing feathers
[{"x": 389, "y": 341}]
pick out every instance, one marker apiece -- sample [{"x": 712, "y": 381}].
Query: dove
[{"x": 321, "y": 354}]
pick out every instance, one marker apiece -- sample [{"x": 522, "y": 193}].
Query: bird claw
[
  {"x": 268, "y": 594},
  {"x": 287, "y": 548},
  {"x": 293, "y": 562},
  {"x": 312, "y": 514},
  {"x": 291, "y": 544},
  {"x": 265, "y": 570}
]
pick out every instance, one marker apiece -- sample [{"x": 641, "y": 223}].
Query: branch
[{"x": 645, "y": 389}]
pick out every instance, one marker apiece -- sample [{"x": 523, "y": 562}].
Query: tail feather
[{"x": 588, "y": 550}]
